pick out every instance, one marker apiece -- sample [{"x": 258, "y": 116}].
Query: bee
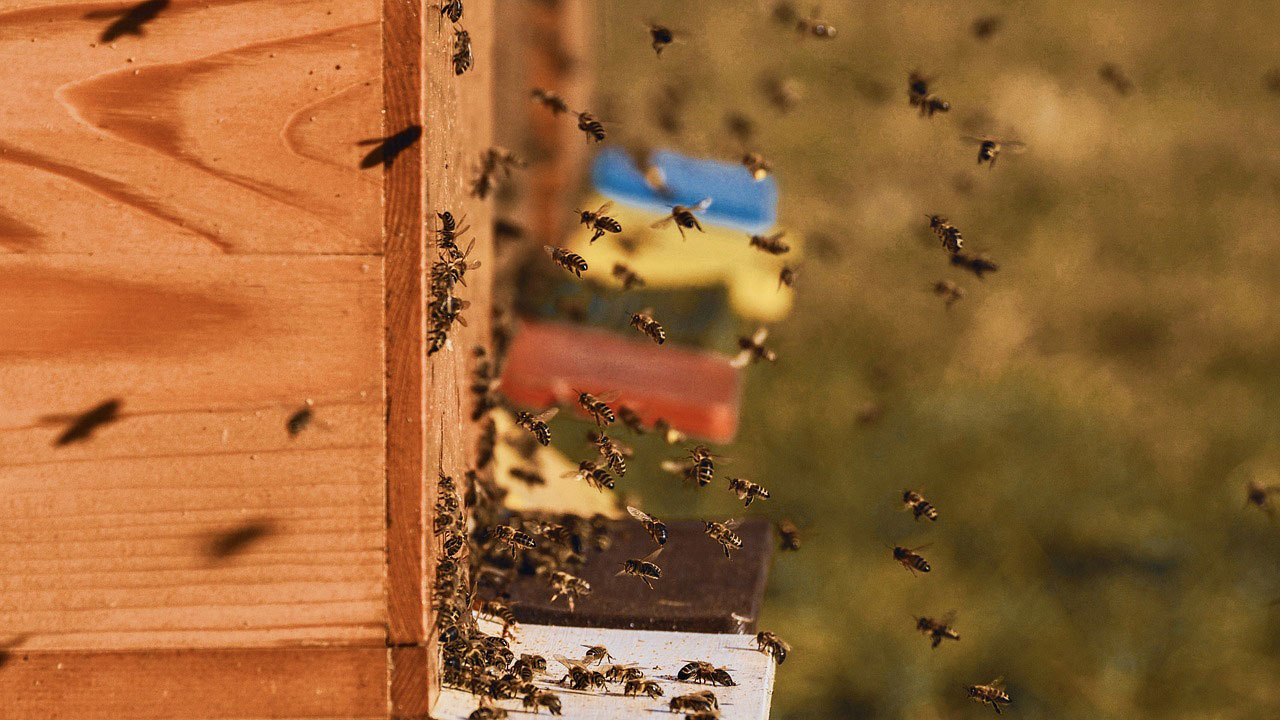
[
  {"x": 788, "y": 536},
  {"x": 918, "y": 96},
  {"x": 752, "y": 349},
  {"x": 615, "y": 453},
  {"x": 539, "y": 698},
  {"x": 644, "y": 322},
  {"x": 569, "y": 586},
  {"x": 684, "y": 217},
  {"x": 938, "y": 630},
  {"x": 704, "y": 672},
  {"x": 462, "y": 57},
  {"x": 551, "y": 101},
  {"x": 537, "y": 662},
  {"x": 704, "y": 701},
  {"x": 704, "y": 467},
  {"x": 499, "y": 611},
  {"x": 740, "y": 126},
  {"x": 991, "y": 694},
  {"x": 598, "y": 408},
  {"x": 594, "y": 475},
  {"x": 783, "y": 93},
  {"x": 1111, "y": 74},
  {"x": 918, "y": 506},
  {"x": 566, "y": 259},
  {"x": 532, "y": 478},
  {"x": 512, "y": 537},
  {"x": 747, "y": 491},
  {"x": 627, "y": 277},
  {"x": 491, "y": 161},
  {"x": 643, "y": 687},
  {"x": 596, "y": 655},
  {"x": 668, "y": 105},
  {"x": 537, "y": 424},
  {"x": 976, "y": 264},
  {"x": 599, "y": 222},
  {"x": 299, "y": 421},
  {"x": 815, "y": 27},
  {"x": 1260, "y": 495},
  {"x": 486, "y": 711},
  {"x": 786, "y": 276},
  {"x": 451, "y": 9},
  {"x": 623, "y": 673},
  {"x": 632, "y": 420},
  {"x": 949, "y": 234},
  {"x": 949, "y": 291},
  {"x": 652, "y": 525},
  {"x": 670, "y": 434},
  {"x": 990, "y": 148},
  {"x": 757, "y": 165},
  {"x": 661, "y": 36},
  {"x": 771, "y": 644},
  {"x": 911, "y": 560},
  {"x": 453, "y": 545},
  {"x": 723, "y": 533},
  {"x": 590, "y": 125},
  {"x": 771, "y": 244},
  {"x": 455, "y": 267},
  {"x": 579, "y": 676},
  {"x": 644, "y": 568},
  {"x": 986, "y": 26}
]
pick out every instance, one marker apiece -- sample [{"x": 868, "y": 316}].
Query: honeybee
[
  {"x": 918, "y": 95},
  {"x": 569, "y": 586},
  {"x": 590, "y": 125},
  {"x": 644, "y": 568},
  {"x": 990, "y": 694},
  {"x": 623, "y": 673},
  {"x": 598, "y": 408},
  {"x": 815, "y": 27},
  {"x": 771, "y": 244},
  {"x": 990, "y": 148},
  {"x": 453, "y": 545},
  {"x": 976, "y": 264},
  {"x": 487, "y": 711},
  {"x": 684, "y": 217},
  {"x": 299, "y": 421},
  {"x": 615, "y": 453},
  {"x": 627, "y": 276},
  {"x": 938, "y": 630},
  {"x": 788, "y": 536},
  {"x": 918, "y": 506},
  {"x": 538, "y": 698},
  {"x": 1111, "y": 74},
  {"x": 537, "y": 424},
  {"x": 551, "y": 101},
  {"x": 451, "y": 9},
  {"x": 532, "y": 478},
  {"x": 783, "y": 93},
  {"x": 462, "y": 57},
  {"x": 566, "y": 259},
  {"x": 643, "y": 687},
  {"x": 704, "y": 672},
  {"x": 723, "y": 533},
  {"x": 599, "y": 222},
  {"x": 740, "y": 126},
  {"x": 949, "y": 291},
  {"x": 753, "y": 349},
  {"x": 631, "y": 419},
  {"x": 670, "y": 434},
  {"x": 499, "y": 611},
  {"x": 771, "y": 644},
  {"x": 747, "y": 491},
  {"x": 1260, "y": 495},
  {"x": 949, "y": 234},
  {"x": 704, "y": 467},
  {"x": 537, "y": 662},
  {"x": 786, "y": 276},
  {"x": 661, "y": 36},
  {"x": 491, "y": 161},
  {"x": 910, "y": 559},
  {"x": 512, "y": 537},
  {"x": 652, "y": 525},
  {"x": 594, "y": 475},
  {"x": 596, "y": 654},
  {"x": 644, "y": 322},
  {"x": 704, "y": 701},
  {"x": 759, "y": 167},
  {"x": 579, "y": 676}
]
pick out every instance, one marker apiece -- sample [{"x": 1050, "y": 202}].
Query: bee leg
[{"x": 996, "y": 706}]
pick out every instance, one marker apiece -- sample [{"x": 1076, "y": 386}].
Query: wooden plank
[
  {"x": 222, "y": 127},
  {"x": 113, "y": 541},
  {"x": 228, "y": 684}
]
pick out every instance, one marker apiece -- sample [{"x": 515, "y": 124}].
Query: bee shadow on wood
[
  {"x": 223, "y": 545},
  {"x": 389, "y": 147},
  {"x": 8, "y": 646},
  {"x": 128, "y": 21},
  {"x": 81, "y": 427}
]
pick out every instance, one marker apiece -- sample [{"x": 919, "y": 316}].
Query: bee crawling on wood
[
  {"x": 938, "y": 630},
  {"x": 747, "y": 491},
  {"x": 919, "y": 96},
  {"x": 771, "y": 244},
  {"x": 538, "y": 698},
  {"x": 451, "y": 9},
  {"x": 977, "y": 264},
  {"x": 569, "y": 586},
  {"x": 789, "y": 539},
  {"x": 910, "y": 559},
  {"x": 623, "y": 673},
  {"x": 990, "y": 694},
  {"x": 949, "y": 234},
  {"x": 684, "y": 217},
  {"x": 594, "y": 475},
  {"x": 598, "y": 407},
  {"x": 771, "y": 644},
  {"x": 566, "y": 259},
  {"x": 515, "y": 539},
  {"x": 652, "y": 525},
  {"x": 537, "y": 424},
  {"x": 704, "y": 672},
  {"x": 615, "y": 454},
  {"x": 487, "y": 711},
  {"x": 599, "y": 222},
  {"x": 990, "y": 148},
  {"x": 752, "y": 349},
  {"x": 462, "y": 57},
  {"x": 644, "y": 322},
  {"x": 950, "y": 292},
  {"x": 723, "y": 533},
  {"x": 757, "y": 165},
  {"x": 579, "y": 676},
  {"x": 628, "y": 277},
  {"x": 550, "y": 100},
  {"x": 918, "y": 506},
  {"x": 644, "y": 568},
  {"x": 642, "y": 687},
  {"x": 592, "y": 126},
  {"x": 704, "y": 701}
]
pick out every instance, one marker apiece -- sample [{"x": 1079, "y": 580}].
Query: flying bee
[
  {"x": 1111, "y": 74},
  {"x": 918, "y": 506},
  {"x": 938, "y": 630},
  {"x": 569, "y": 586},
  {"x": 451, "y": 9},
  {"x": 492, "y": 161},
  {"x": 919, "y": 96},
  {"x": 643, "y": 687},
  {"x": 669, "y": 433},
  {"x": 551, "y": 101},
  {"x": 1260, "y": 495},
  {"x": 704, "y": 466},
  {"x": 786, "y": 276},
  {"x": 747, "y": 491},
  {"x": 598, "y": 407},
  {"x": 740, "y": 126},
  {"x": 812, "y": 26},
  {"x": 985, "y": 26},
  {"x": 771, "y": 244},
  {"x": 539, "y": 698},
  {"x": 910, "y": 559},
  {"x": 631, "y": 419},
  {"x": 644, "y": 568},
  {"x": 537, "y": 424},
  {"x": 757, "y": 165},
  {"x": 592, "y": 126},
  {"x": 976, "y": 264},
  {"x": 771, "y": 644},
  {"x": 723, "y": 533},
  {"x": 661, "y": 36},
  {"x": 532, "y": 478},
  {"x": 599, "y": 222},
  {"x": 579, "y": 676},
  {"x": 949, "y": 234},
  {"x": 594, "y": 475},
  {"x": 627, "y": 276},
  {"x": 948, "y": 291},
  {"x": 644, "y": 322},
  {"x": 990, "y": 694},
  {"x": 615, "y": 454},
  {"x": 704, "y": 701},
  {"x": 652, "y": 525},
  {"x": 783, "y": 93},
  {"x": 990, "y": 148},
  {"x": 788, "y": 536},
  {"x": 684, "y": 217},
  {"x": 566, "y": 259},
  {"x": 752, "y": 349},
  {"x": 596, "y": 655},
  {"x": 462, "y": 57},
  {"x": 512, "y": 537}
]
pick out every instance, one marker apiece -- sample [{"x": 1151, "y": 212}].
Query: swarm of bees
[{"x": 447, "y": 272}]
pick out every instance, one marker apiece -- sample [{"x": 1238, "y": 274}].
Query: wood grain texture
[
  {"x": 226, "y": 126},
  {"x": 232, "y": 684}
]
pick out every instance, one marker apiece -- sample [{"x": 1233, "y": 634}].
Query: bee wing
[
  {"x": 732, "y": 523},
  {"x": 640, "y": 515},
  {"x": 677, "y": 467},
  {"x": 571, "y": 664},
  {"x": 652, "y": 556},
  {"x": 741, "y": 359},
  {"x": 997, "y": 682},
  {"x": 605, "y": 207},
  {"x": 1013, "y": 146},
  {"x": 609, "y": 397},
  {"x": 761, "y": 335},
  {"x": 663, "y": 222},
  {"x": 700, "y": 207},
  {"x": 546, "y": 414},
  {"x": 922, "y": 547},
  {"x": 975, "y": 139},
  {"x": 949, "y": 618}
]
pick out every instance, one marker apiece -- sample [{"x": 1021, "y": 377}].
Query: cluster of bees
[{"x": 447, "y": 272}]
